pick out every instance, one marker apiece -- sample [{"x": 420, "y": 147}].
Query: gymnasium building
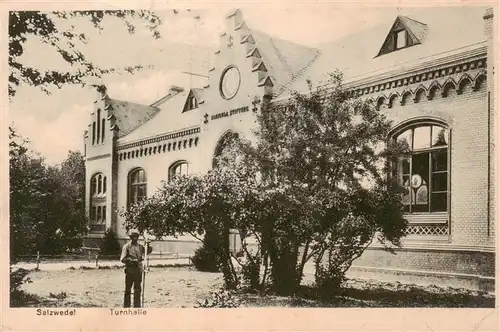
[{"x": 431, "y": 73}]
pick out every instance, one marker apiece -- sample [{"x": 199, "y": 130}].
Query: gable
[
  {"x": 193, "y": 100},
  {"x": 405, "y": 32},
  {"x": 275, "y": 62}
]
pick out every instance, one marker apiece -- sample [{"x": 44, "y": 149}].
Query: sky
[{"x": 55, "y": 123}]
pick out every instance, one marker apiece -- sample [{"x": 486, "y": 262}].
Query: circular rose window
[{"x": 229, "y": 82}]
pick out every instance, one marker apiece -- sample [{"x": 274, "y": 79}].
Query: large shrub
[
  {"x": 207, "y": 257},
  {"x": 110, "y": 246},
  {"x": 314, "y": 186}
]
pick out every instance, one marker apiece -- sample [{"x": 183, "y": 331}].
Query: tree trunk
[{"x": 284, "y": 269}]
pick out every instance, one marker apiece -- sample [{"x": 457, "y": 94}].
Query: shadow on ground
[{"x": 376, "y": 294}]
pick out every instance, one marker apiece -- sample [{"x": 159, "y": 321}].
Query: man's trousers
[{"x": 133, "y": 278}]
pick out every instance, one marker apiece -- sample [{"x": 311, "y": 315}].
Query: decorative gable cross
[{"x": 230, "y": 41}]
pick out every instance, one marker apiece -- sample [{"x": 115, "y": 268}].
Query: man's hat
[{"x": 133, "y": 232}]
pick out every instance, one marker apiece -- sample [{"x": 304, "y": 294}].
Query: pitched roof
[
  {"x": 129, "y": 116},
  {"x": 448, "y": 30},
  {"x": 415, "y": 30},
  {"x": 168, "y": 118},
  {"x": 283, "y": 59},
  {"x": 418, "y": 29}
]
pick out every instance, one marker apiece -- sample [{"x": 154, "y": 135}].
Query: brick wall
[
  {"x": 466, "y": 262},
  {"x": 467, "y": 117}
]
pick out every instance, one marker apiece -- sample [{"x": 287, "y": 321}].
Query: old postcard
[{"x": 305, "y": 166}]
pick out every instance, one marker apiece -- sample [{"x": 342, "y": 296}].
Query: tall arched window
[
  {"x": 137, "y": 186},
  {"x": 98, "y": 203},
  {"x": 178, "y": 168},
  {"x": 93, "y": 133},
  {"x": 224, "y": 142},
  {"x": 425, "y": 172},
  {"x": 103, "y": 126},
  {"x": 98, "y": 125}
]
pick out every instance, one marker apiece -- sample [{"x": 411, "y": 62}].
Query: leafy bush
[
  {"x": 207, "y": 257},
  {"x": 251, "y": 273},
  {"x": 110, "y": 245},
  {"x": 221, "y": 299},
  {"x": 18, "y": 297}
]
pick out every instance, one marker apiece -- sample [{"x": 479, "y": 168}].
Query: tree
[
  {"x": 27, "y": 189},
  {"x": 67, "y": 218},
  {"x": 315, "y": 186},
  {"x": 46, "y": 202},
  {"x": 191, "y": 205},
  {"x": 324, "y": 159},
  {"x": 67, "y": 42}
]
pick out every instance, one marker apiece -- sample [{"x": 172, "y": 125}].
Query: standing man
[{"x": 133, "y": 256}]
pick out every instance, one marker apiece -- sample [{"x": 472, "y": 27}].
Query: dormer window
[
  {"x": 400, "y": 39},
  {"x": 192, "y": 101},
  {"x": 405, "y": 32}
]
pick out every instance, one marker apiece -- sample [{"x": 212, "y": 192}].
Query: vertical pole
[
  {"x": 38, "y": 260},
  {"x": 488, "y": 202},
  {"x": 97, "y": 261},
  {"x": 144, "y": 268},
  {"x": 89, "y": 257}
]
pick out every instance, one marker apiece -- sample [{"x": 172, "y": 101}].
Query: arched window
[
  {"x": 224, "y": 143},
  {"x": 103, "y": 125},
  {"x": 98, "y": 125},
  {"x": 424, "y": 173},
  {"x": 98, "y": 203},
  {"x": 93, "y": 133},
  {"x": 137, "y": 186},
  {"x": 98, "y": 185},
  {"x": 178, "y": 168}
]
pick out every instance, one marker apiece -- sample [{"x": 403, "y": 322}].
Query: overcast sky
[{"x": 55, "y": 123}]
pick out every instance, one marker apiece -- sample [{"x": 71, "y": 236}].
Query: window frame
[
  {"x": 172, "y": 169},
  {"x": 134, "y": 188},
  {"x": 429, "y": 216},
  {"x": 98, "y": 200},
  {"x": 396, "y": 39}
]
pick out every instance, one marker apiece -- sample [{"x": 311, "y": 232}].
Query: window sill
[
  {"x": 97, "y": 228},
  {"x": 427, "y": 218},
  {"x": 421, "y": 239}
]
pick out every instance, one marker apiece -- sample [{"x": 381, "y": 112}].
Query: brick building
[{"x": 432, "y": 76}]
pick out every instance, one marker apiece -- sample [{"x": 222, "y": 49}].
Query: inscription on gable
[{"x": 229, "y": 113}]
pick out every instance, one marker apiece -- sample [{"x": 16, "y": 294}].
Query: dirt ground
[
  {"x": 177, "y": 287},
  {"x": 168, "y": 287}
]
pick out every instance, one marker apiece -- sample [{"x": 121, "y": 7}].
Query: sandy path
[{"x": 165, "y": 287}]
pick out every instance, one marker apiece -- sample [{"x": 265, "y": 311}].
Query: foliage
[
  {"x": 18, "y": 277},
  {"x": 207, "y": 257},
  {"x": 110, "y": 245},
  {"x": 333, "y": 203},
  {"x": 314, "y": 185},
  {"x": 69, "y": 43},
  {"x": 220, "y": 299},
  {"x": 46, "y": 202}
]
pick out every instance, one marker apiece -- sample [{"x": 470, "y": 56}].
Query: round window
[{"x": 230, "y": 82}]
